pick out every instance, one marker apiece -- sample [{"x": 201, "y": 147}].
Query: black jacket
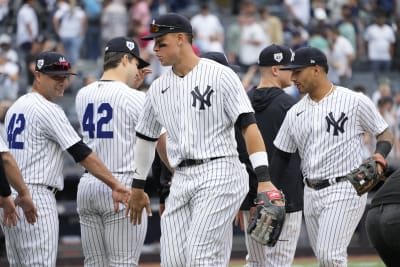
[{"x": 271, "y": 105}]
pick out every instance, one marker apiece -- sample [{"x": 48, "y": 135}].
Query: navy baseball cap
[
  {"x": 305, "y": 57},
  {"x": 53, "y": 63},
  {"x": 220, "y": 58},
  {"x": 274, "y": 55},
  {"x": 128, "y": 46},
  {"x": 168, "y": 23}
]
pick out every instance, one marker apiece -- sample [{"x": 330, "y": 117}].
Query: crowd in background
[{"x": 356, "y": 35}]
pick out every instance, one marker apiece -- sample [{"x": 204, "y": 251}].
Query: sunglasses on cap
[
  {"x": 58, "y": 66},
  {"x": 154, "y": 28}
]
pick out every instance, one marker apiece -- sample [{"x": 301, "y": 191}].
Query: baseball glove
[
  {"x": 268, "y": 219},
  {"x": 365, "y": 177}
]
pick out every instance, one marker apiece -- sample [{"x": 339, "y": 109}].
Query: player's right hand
[
  {"x": 120, "y": 194},
  {"x": 10, "y": 214},
  {"x": 138, "y": 201},
  {"x": 28, "y": 207}
]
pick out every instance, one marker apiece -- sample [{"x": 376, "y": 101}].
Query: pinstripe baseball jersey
[
  {"x": 329, "y": 133},
  {"x": 38, "y": 132},
  {"x": 197, "y": 110},
  {"x": 3, "y": 146},
  {"x": 108, "y": 112}
]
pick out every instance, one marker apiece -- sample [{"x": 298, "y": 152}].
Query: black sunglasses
[
  {"x": 154, "y": 28},
  {"x": 58, "y": 66}
]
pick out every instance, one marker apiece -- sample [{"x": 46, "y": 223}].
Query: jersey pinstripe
[
  {"x": 3, "y": 146},
  {"x": 108, "y": 112},
  {"x": 38, "y": 131},
  {"x": 197, "y": 111},
  {"x": 328, "y": 134}
]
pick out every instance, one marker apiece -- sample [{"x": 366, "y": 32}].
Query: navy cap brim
[
  {"x": 151, "y": 36},
  {"x": 296, "y": 66},
  {"x": 142, "y": 63},
  {"x": 53, "y": 73}
]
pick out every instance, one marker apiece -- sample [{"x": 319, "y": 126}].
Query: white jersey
[
  {"x": 198, "y": 111},
  {"x": 38, "y": 132},
  {"x": 3, "y": 146},
  {"x": 328, "y": 134},
  {"x": 108, "y": 112}
]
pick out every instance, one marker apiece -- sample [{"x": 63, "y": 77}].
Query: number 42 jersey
[
  {"x": 38, "y": 131},
  {"x": 108, "y": 112}
]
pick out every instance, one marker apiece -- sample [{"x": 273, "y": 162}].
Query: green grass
[{"x": 357, "y": 263}]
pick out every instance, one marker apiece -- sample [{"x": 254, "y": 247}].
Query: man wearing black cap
[
  {"x": 198, "y": 101},
  {"x": 38, "y": 132},
  {"x": 108, "y": 111},
  {"x": 326, "y": 126},
  {"x": 271, "y": 103}
]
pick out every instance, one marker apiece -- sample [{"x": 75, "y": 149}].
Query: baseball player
[
  {"x": 327, "y": 126},
  {"x": 271, "y": 103},
  {"x": 198, "y": 101},
  {"x": 38, "y": 132},
  {"x": 108, "y": 111},
  {"x": 9, "y": 170}
]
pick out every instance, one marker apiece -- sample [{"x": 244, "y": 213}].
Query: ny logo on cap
[
  {"x": 61, "y": 59},
  {"x": 278, "y": 57},
  {"x": 130, "y": 45},
  {"x": 40, "y": 63},
  {"x": 292, "y": 55},
  {"x": 312, "y": 61}
]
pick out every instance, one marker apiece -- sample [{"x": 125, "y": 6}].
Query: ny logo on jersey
[
  {"x": 203, "y": 98},
  {"x": 338, "y": 125}
]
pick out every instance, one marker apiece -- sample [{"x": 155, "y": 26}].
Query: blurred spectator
[
  {"x": 299, "y": 9},
  {"x": 396, "y": 55},
  {"x": 347, "y": 27},
  {"x": 37, "y": 47},
  {"x": 317, "y": 39},
  {"x": 272, "y": 26},
  {"x": 334, "y": 7},
  {"x": 387, "y": 6},
  {"x": 297, "y": 41},
  {"x": 140, "y": 11},
  {"x": 92, "y": 42},
  {"x": 388, "y": 112},
  {"x": 233, "y": 34},
  {"x": 384, "y": 90},
  {"x": 27, "y": 26},
  {"x": 9, "y": 78},
  {"x": 253, "y": 38},
  {"x": 380, "y": 40},
  {"x": 205, "y": 26},
  {"x": 70, "y": 25},
  {"x": 4, "y": 106},
  {"x": 114, "y": 20},
  {"x": 4, "y": 12},
  {"x": 6, "y": 47},
  {"x": 340, "y": 57}
]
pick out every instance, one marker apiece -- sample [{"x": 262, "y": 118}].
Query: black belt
[
  {"x": 191, "y": 162},
  {"x": 86, "y": 171},
  {"x": 321, "y": 184},
  {"x": 52, "y": 189}
]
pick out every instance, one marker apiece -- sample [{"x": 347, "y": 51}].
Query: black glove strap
[
  {"x": 262, "y": 174},
  {"x": 383, "y": 148}
]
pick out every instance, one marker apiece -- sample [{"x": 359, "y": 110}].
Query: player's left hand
[
  {"x": 138, "y": 201},
  {"x": 141, "y": 75},
  {"x": 120, "y": 194},
  {"x": 10, "y": 214},
  {"x": 28, "y": 207}
]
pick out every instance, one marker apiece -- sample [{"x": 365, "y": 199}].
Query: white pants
[
  {"x": 282, "y": 253},
  {"x": 332, "y": 215},
  {"x": 199, "y": 213},
  {"x": 34, "y": 245},
  {"x": 108, "y": 238}
]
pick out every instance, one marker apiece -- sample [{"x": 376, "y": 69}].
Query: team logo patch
[
  {"x": 130, "y": 45},
  {"x": 337, "y": 125},
  {"x": 278, "y": 57},
  {"x": 61, "y": 59},
  {"x": 40, "y": 63},
  {"x": 204, "y": 99}
]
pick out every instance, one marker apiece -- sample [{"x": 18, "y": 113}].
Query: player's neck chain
[{"x": 329, "y": 92}]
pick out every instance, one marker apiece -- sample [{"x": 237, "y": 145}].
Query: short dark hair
[{"x": 112, "y": 59}]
